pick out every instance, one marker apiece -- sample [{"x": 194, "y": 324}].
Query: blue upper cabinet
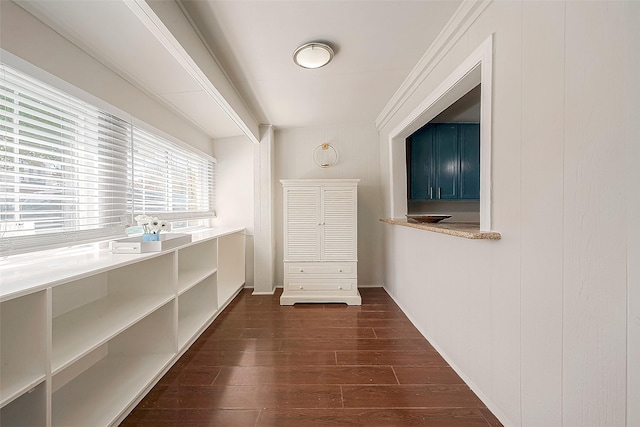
[
  {"x": 446, "y": 157},
  {"x": 444, "y": 162},
  {"x": 469, "y": 161},
  {"x": 421, "y": 164}
]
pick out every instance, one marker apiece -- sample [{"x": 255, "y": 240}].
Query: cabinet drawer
[
  {"x": 319, "y": 285},
  {"x": 321, "y": 269}
]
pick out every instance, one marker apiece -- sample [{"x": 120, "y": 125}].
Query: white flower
[
  {"x": 143, "y": 220},
  {"x": 152, "y": 225}
]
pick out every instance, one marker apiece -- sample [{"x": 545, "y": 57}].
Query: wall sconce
[{"x": 325, "y": 155}]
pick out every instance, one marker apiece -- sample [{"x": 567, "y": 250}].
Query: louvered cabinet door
[
  {"x": 339, "y": 219},
  {"x": 302, "y": 224}
]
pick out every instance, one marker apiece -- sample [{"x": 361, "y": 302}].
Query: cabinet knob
[
  {"x": 301, "y": 287},
  {"x": 340, "y": 270},
  {"x": 339, "y": 287},
  {"x": 301, "y": 270}
]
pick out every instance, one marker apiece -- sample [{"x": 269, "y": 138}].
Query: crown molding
[{"x": 459, "y": 23}]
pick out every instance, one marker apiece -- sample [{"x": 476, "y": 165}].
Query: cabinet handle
[
  {"x": 431, "y": 192},
  {"x": 439, "y": 193}
]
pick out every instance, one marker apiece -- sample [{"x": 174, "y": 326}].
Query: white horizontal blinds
[
  {"x": 63, "y": 166},
  {"x": 169, "y": 181}
]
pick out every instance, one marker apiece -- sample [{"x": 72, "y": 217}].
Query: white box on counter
[{"x": 135, "y": 245}]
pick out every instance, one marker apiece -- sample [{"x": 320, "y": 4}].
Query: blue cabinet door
[
  {"x": 443, "y": 162},
  {"x": 446, "y": 161},
  {"x": 421, "y": 164},
  {"x": 469, "y": 161}
]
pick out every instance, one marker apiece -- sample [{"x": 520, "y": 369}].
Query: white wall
[
  {"x": 358, "y": 157},
  {"x": 234, "y": 191},
  {"x": 28, "y": 38},
  {"x": 632, "y": 194},
  {"x": 537, "y": 322}
]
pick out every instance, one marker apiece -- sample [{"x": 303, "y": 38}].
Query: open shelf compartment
[
  {"x": 98, "y": 389},
  {"x": 90, "y": 311},
  {"x": 196, "y": 262},
  {"x": 28, "y": 409},
  {"x": 23, "y": 332},
  {"x": 196, "y": 307}
]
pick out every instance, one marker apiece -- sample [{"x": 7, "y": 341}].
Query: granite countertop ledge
[{"x": 467, "y": 230}]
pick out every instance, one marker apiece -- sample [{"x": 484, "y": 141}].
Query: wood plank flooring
[{"x": 262, "y": 364}]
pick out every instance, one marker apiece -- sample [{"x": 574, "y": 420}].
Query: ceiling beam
[{"x": 168, "y": 24}]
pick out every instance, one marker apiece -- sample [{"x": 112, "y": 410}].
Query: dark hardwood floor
[{"x": 262, "y": 364}]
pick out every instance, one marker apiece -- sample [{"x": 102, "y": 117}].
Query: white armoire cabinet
[{"x": 320, "y": 241}]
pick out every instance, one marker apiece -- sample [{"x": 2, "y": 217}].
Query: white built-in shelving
[
  {"x": 196, "y": 263},
  {"x": 82, "y": 339},
  {"x": 23, "y": 346},
  {"x": 28, "y": 409},
  {"x": 231, "y": 266},
  {"x": 193, "y": 308}
]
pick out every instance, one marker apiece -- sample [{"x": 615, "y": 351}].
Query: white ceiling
[{"x": 246, "y": 75}]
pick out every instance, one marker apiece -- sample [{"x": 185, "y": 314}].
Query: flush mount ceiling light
[{"x": 313, "y": 55}]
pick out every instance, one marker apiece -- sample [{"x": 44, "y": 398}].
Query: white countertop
[
  {"x": 468, "y": 230},
  {"x": 21, "y": 275}
]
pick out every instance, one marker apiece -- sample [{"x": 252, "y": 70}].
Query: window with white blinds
[
  {"x": 71, "y": 173},
  {"x": 169, "y": 181}
]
